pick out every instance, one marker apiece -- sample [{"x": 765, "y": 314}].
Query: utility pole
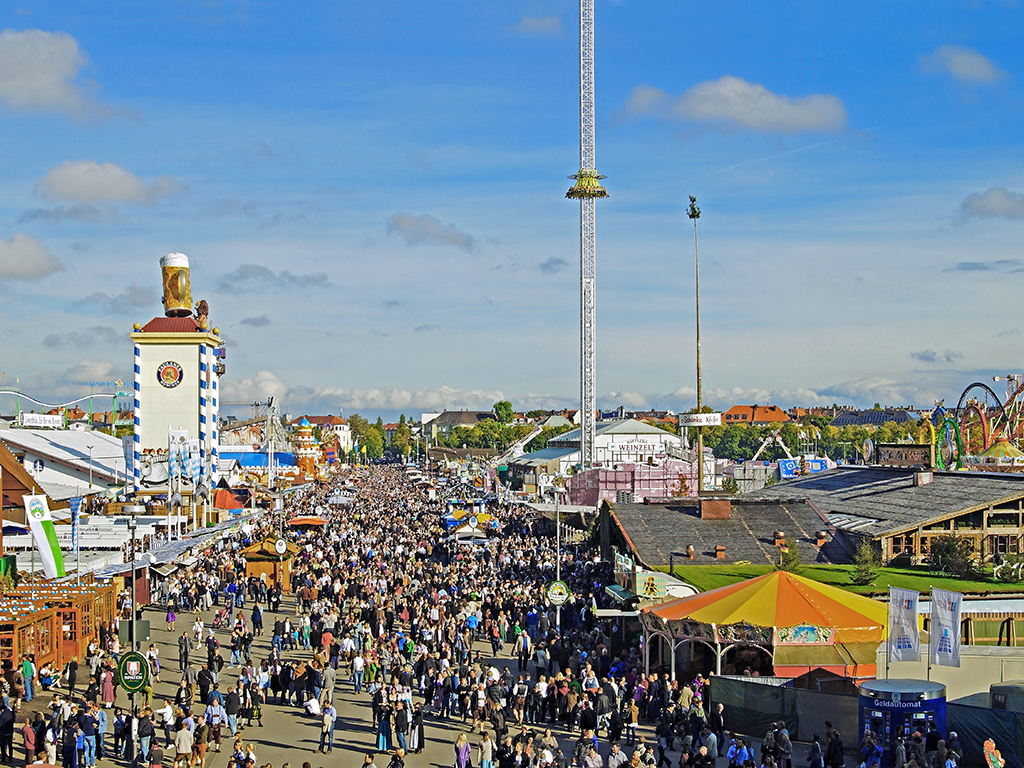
[
  {"x": 587, "y": 189},
  {"x": 694, "y": 213}
]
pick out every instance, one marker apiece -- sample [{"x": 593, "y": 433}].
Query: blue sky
[{"x": 371, "y": 195}]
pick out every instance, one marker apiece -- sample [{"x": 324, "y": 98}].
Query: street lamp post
[{"x": 133, "y": 523}]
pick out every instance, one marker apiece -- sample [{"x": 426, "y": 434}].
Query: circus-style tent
[{"x": 800, "y": 623}]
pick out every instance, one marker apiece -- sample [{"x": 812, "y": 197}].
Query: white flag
[
  {"x": 944, "y": 635},
  {"x": 904, "y": 638}
]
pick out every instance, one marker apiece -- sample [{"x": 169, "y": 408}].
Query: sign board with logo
[
  {"x": 905, "y": 455},
  {"x": 49, "y": 421},
  {"x": 558, "y": 593},
  {"x": 280, "y": 546},
  {"x": 169, "y": 374},
  {"x": 132, "y": 671},
  {"x": 700, "y": 420}
]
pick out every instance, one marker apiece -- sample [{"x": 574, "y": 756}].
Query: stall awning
[{"x": 620, "y": 594}]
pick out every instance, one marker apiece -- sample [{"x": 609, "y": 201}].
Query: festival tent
[
  {"x": 307, "y": 522},
  {"x": 225, "y": 499},
  {"x": 802, "y": 624}
]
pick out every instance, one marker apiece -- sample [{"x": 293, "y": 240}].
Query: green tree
[
  {"x": 789, "y": 561},
  {"x": 402, "y": 441},
  {"x": 373, "y": 440},
  {"x": 358, "y": 427},
  {"x": 729, "y": 485},
  {"x": 953, "y": 554},
  {"x": 540, "y": 442},
  {"x": 865, "y": 564},
  {"x": 504, "y": 412}
]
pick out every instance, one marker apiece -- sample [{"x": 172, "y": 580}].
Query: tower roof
[{"x": 171, "y": 325}]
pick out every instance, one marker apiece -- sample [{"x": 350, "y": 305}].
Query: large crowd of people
[{"x": 384, "y": 604}]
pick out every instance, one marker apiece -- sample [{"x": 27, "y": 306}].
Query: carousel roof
[
  {"x": 1002, "y": 449},
  {"x": 782, "y": 599}
]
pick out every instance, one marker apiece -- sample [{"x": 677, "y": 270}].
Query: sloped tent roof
[
  {"x": 783, "y": 599},
  {"x": 305, "y": 521},
  {"x": 263, "y": 551},
  {"x": 225, "y": 499}
]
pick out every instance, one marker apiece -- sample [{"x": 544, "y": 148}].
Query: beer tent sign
[{"x": 132, "y": 672}]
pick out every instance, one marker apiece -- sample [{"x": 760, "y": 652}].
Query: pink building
[{"x": 633, "y": 483}]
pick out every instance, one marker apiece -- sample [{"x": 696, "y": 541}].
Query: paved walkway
[{"x": 289, "y": 735}]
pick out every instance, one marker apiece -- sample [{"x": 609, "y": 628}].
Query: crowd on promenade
[{"x": 423, "y": 629}]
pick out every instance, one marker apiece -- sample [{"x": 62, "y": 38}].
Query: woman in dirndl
[
  {"x": 384, "y": 729},
  {"x": 416, "y": 735}
]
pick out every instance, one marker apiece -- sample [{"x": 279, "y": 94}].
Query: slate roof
[
  {"x": 872, "y": 417},
  {"x": 657, "y": 530},
  {"x": 880, "y": 501}
]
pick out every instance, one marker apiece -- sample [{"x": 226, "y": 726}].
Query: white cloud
[
  {"x": 258, "y": 387},
  {"x": 995, "y": 201},
  {"x": 86, "y": 181},
  {"x": 87, "y": 370},
  {"x": 425, "y": 228},
  {"x": 24, "y": 257},
  {"x": 547, "y": 26},
  {"x": 40, "y": 71},
  {"x": 735, "y": 102},
  {"x": 962, "y": 63}
]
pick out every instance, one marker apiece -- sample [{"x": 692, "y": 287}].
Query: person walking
[
  {"x": 463, "y": 751},
  {"x": 485, "y": 748},
  {"x": 183, "y": 743},
  {"x": 327, "y": 729}
]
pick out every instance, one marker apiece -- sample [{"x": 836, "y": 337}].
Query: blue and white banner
[
  {"x": 177, "y": 451},
  {"x": 192, "y": 466},
  {"x": 904, "y": 637},
  {"x": 76, "y": 514},
  {"x": 944, "y": 629}
]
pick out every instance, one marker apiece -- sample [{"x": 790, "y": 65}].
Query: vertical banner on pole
[
  {"x": 76, "y": 513},
  {"x": 194, "y": 465},
  {"x": 904, "y": 637},
  {"x": 944, "y": 635},
  {"x": 41, "y": 525}
]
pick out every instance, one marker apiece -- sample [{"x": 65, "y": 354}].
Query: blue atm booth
[{"x": 895, "y": 707}]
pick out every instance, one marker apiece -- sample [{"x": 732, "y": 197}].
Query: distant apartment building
[
  {"x": 442, "y": 425},
  {"x": 758, "y": 415}
]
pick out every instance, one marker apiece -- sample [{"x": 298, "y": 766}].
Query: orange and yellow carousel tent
[{"x": 808, "y": 624}]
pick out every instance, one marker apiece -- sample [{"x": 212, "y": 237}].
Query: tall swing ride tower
[{"x": 587, "y": 190}]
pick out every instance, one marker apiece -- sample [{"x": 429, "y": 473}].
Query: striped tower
[
  {"x": 204, "y": 408},
  {"x": 136, "y": 421},
  {"x": 214, "y": 428}
]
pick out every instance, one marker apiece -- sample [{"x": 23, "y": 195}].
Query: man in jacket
[{"x": 232, "y": 705}]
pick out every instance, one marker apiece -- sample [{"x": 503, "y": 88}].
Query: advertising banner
[
  {"x": 76, "y": 513},
  {"x": 40, "y": 420},
  {"x": 944, "y": 630},
  {"x": 41, "y": 525},
  {"x": 700, "y": 419},
  {"x": 904, "y": 638}
]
